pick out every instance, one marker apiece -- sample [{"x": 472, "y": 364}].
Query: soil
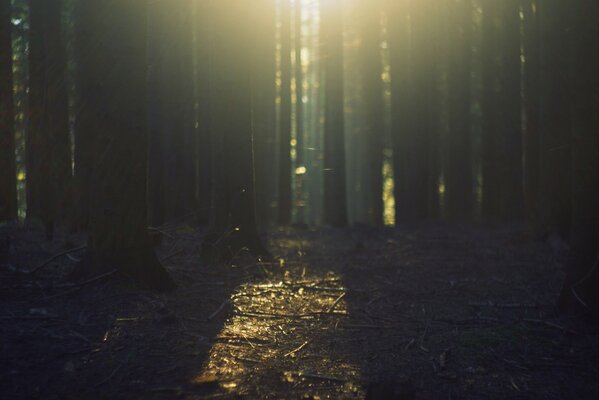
[{"x": 432, "y": 311}]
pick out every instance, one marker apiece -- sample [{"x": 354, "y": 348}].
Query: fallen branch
[
  {"x": 54, "y": 257},
  {"x": 296, "y": 349},
  {"x": 341, "y": 296}
]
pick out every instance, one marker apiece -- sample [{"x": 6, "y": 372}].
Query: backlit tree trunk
[
  {"x": 335, "y": 201},
  {"x": 233, "y": 218},
  {"x": 114, "y": 86},
  {"x": 284, "y": 202}
]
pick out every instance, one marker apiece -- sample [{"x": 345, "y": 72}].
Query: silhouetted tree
[
  {"x": 284, "y": 202},
  {"x": 531, "y": 89},
  {"x": 263, "y": 109},
  {"x": 399, "y": 53},
  {"x": 335, "y": 201},
  {"x": 203, "y": 28},
  {"x": 114, "y": 86},
  {"x": 372, "y": 89},
  {"x": 8, "y": 174},
  {"x": 582, "y": 281},
  {"x": 458, "y": 170},
  {"x": 48, "y": 142},
  {"x": 555, "y": 120},
  {"x": 233, "y": 219},
  {"x": 492, "y": 142},
  {"x": 511, "y": 104}
]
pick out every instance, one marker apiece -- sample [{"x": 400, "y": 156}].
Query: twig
[
  {"x": 54, "y": 257},
  {"x": 508, "y": 305},
  {"x": 341, "y": 296},
  {"x": 296, "y": 349},
  {"x": 218, "y": 310}
]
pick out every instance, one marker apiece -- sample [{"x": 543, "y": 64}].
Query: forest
[{"x": 299, "y": 199}]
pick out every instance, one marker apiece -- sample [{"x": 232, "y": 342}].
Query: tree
[
  {"x": 285, "y": 118},
  {"x": 113, "y": 85},
  {"x": 492, "y": 142},
  {"x": 413, "y": 98},
  {"x": 372, "y": 87},
  {"x": 335, "y": 202},
  {"x": 555, "y": 120},
  {"x": 263, "y": 108},
  {"x": 532, "y": 132},
  {"x": 511, "y": 105},
  {"x": 458, "y": 171},
  {"x": 233, "y": 219},
  {"x": 582, "y": 280},
  {"x": 8, "y": 174},
  {"x": 203, "y": 137},
  {"x": 48, "y": 142}
]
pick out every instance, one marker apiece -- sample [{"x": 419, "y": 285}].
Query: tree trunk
[
  {"x": 335, "y": 196},
  {"x": 264, "y": 121},
  {"x": 372, "y": 89},
  {"x": 555, "y": 120},
  {"x": 285, "y": 117},
  {"x": 512, "y": 179},
  {"x": 580, "y": 288},
  {"x": 531, "y": 105},
  {"x": 399, "y": 57},
  {"x": 458, "y": 172},
  {"x": 48, "y": 151},
  {"x": 414, "y": 145},
  {"x": 492, "y": 142},
  {"x": 8, "y": 173},
  {"x": 233, "y": 219},
  {"x": 203, "y": 135},
  {"x": 114, "y": 87}
]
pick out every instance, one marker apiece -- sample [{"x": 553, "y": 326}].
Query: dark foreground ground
[{"x": 430, "y": 312}]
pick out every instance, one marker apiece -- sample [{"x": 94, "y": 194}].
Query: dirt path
[{"x": 430, "y": 312}]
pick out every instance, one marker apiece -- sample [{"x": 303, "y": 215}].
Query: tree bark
[
  {"x": 8, "y": 173},
  {"x": 458, "y": 172},
  {"x": 49, "y": 149},
  {"x": 531, "y": 106},
  {"x": 492, "y": 142},
  {"x": 372, "y": 87},
  {"x": 233, "y": 218},
  {"x": 555, "y": 120},
  {"x": 114, "y": 86},
  {"x": 335, "y": 193},
  {"x": 579, "y": 292},
  {"x": 512, "y": 176}
]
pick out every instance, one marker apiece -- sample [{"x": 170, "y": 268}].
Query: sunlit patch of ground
[{"x": 287, "y": 329}]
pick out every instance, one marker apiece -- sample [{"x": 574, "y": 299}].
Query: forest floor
[{"x": 429, "y": 312}]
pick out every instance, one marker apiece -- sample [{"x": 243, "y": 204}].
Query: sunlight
[{"x": 287, "y": 327}]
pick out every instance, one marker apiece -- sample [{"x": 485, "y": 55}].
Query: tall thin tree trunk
[
  {"x": 284, "y": 202},
  {"x": 399, "y": 56},
  {"x": 203, "y": 139},
  {"x": 458, "y": 172},
  {"x": 335, "y": 193},
  {"x": 492, "y": 142},
  {"x": 372, "y": 86},
  {"x": 512, "y": 179},
  {"x": 264, "y": 121},
  {"x": 555, "y": 120},
  {"x": 8, "y": 174},
  {"x": 531, "y": 104}
]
